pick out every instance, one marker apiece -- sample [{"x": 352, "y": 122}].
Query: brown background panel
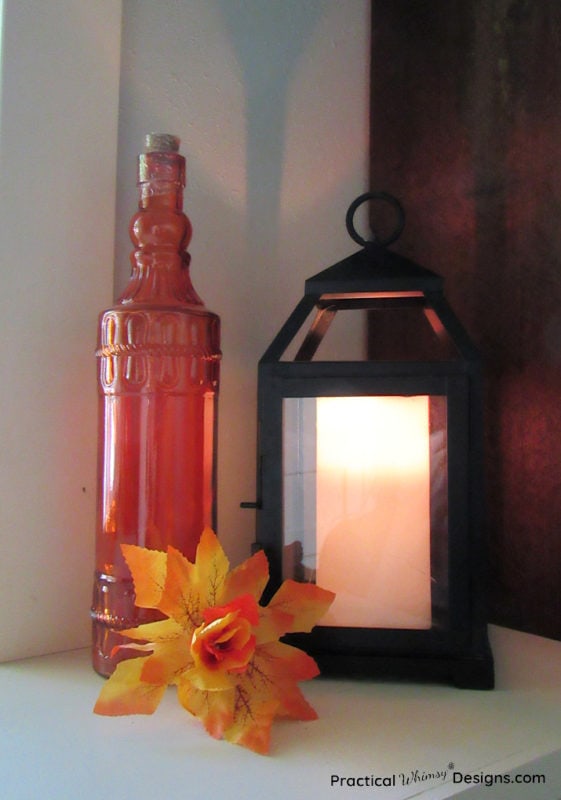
[{"x": 466, "y": 132}]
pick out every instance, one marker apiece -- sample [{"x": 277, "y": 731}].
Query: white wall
[
  {"x": 270, "y": 99},
  {"x": 60, "y": 71}
]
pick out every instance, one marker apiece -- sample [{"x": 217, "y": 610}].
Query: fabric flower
[{"x": 217, "y": 645}]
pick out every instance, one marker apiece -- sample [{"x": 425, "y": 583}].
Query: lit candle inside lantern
[{"x": 373, "y": 510}]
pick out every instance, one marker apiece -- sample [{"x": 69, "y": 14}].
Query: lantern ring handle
[{"x": 363, "y": 198}]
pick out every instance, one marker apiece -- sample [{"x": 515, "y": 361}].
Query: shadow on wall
[{"x": 264, "y": 36}]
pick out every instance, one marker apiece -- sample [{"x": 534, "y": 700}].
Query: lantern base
[{"x": 471, "y": 671}]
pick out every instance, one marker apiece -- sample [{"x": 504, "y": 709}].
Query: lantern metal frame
[{"x": 455, "y": 648}]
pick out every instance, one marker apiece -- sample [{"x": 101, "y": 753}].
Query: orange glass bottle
[{"x": 158, "y": 357}]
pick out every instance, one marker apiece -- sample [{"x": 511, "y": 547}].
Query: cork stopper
[{"x": 161, "y": 143}]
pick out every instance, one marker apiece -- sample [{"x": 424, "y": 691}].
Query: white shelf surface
[{"x": 53, "y": 746}]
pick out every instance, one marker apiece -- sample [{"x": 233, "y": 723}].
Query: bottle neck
[
  {"x": 160, "y": 233},
  {"x": 160, "y": 194}
]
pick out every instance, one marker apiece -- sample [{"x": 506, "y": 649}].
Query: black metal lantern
[{"x": 369, "y": 469}]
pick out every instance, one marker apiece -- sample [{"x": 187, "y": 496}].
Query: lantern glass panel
[
  {"x": 340, "y": 336},
  {"x": 372, "y": 328},
  {"x": 365, "y": 506},
  {"x": 408, "y": 333}
]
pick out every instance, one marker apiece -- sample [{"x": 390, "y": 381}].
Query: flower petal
[
  {"x": 294, "y": 705},
  {"x": 214, "y": 709},
  {"x": 251, "y": 577},
  {"x": 306, "y": 602},
  {"x": 276, "y": 669},
  {"x": 211, "y": 569},
  {"x": 210, "y": 680},
  {"x": 273, "y": 623},
  {"x": 168, "y": 661},
  {"x": 252, "y": 722},
  {"x": 126, "y": 693},
  {"x": 246, "y": 605},
  {"x": 279, "y": 662},
  {"x": 180, "y": 599},
  {"x": 148, "y": 569},
  {"x": 160, "y": 631}
]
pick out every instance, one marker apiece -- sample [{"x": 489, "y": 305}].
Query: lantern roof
[
  {"x": 374, "y": 269},
  {"x": 375, "y": 279}
]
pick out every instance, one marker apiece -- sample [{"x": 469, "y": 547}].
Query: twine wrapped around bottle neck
[{"x": 161, "y": 160}]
